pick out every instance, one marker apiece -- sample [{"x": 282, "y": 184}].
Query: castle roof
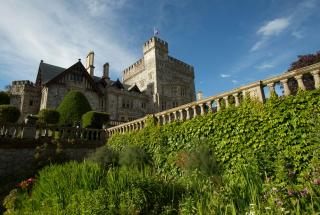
[{"x": 48, "y": 72}]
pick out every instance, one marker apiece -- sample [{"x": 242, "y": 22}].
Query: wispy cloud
[
  {"x": 234, "y": 81},
  {"x": 265, "y": 66},
  {"x": 297, "y": 34},
  {"x": 60, "y": 36},
  {"x": 270, "y": 29},
  {"x": 225, "y": 75},
  {"x": 274, "y": 27}
]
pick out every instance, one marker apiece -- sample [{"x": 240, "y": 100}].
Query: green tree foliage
[
  {"x": 72, "y": 107},
  {"x": 9, "y": 114},
  {"x": 4, "y": 98},
  {"x": 47, "y": 116},
  {"x": 94, "y": 119}
]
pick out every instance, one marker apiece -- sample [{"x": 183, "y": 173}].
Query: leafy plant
[
  {"x": 4, "y": 98},
  {"x": 94, "y": 119},
  {"x": 47, "y": 116},
  {"x": 72, "y": 107},
  {"x": 9, "y": 114}
]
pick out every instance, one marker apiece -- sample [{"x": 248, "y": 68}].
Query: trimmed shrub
[
  {"x": 9, "y": 114},
  {"x": 94, "y": 119},
  {"x": 48, "y": 116},
  {"x": 72, "y": 107},
  {"x": 4, "y": 98}
]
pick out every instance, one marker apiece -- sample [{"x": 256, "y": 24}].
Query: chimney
[
  {"x": 89, "y": 63},
  {"x": 106, "y": 71},
  {"x": 199, "y": 95}
]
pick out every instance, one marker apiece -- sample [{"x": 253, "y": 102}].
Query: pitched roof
[
  {"x": 49, "y": 71},
  {"x": 134, "y": 88},
  {"x": 118, "y": 84}
]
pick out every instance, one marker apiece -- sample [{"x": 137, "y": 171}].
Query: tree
[
  {"x": 9, "y": 114},
  {"x": 48, "y": 116},
  {"x": 94, "y": 119},
  {"x": 72, "y": 107},
  {"x": 305, "y": 60},
  {"x": 4, "y": 98}
]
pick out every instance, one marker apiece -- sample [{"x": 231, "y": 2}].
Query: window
[
  {"x": 31, "y": 103},
  {"x": 163, "y": 105},
  {"x": 183, "y": 91},
  {"x": 143, "y": 105}
]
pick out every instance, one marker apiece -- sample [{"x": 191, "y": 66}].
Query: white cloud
[
  {"x": 34, "y": 30},
  {"x": 265, "y": 66},
  {"x": 234, "y": 81},
  {"x": 225, "y": 75},
  {"x": 297, "y": 34},
  {"x": 258, "y": 45},
  {"x": 274, "y": 27}
]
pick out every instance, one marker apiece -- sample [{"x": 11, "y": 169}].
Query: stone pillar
[
  {"x": 226, "y": 101},
  {"x": 236, "y": 99},
  {"x": 169, "y": 118},
  {"x": 194, "y": 111},
  {"x": 164, "y": 119},
  {"x": 300, "y": 82},
  {"x": 181, "y": 115},
  {"x": 316, "y": 78},
  {"x": 286, "y": 87},
  {"x": 218, "y": 104},
  {"x": 209, "y": 104},
  {"x": 188, "y": 114},
  {"x": 202, "y": 109},
  {"x": 271, "y": 88},
  {"x": 175, "y": 115}
]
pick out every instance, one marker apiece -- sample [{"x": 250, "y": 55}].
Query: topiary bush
[
  {"x": 47, "y": 116},
  {"x": 4, "y": 98},
  {"x": 94, "y": 119},
  {"x": 9, "y": 114},
  {"x": 72, "y": 107}
]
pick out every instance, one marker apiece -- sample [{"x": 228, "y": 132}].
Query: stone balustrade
[
  {"x": 23, "y": 131},
  {"x": 214, "y": 103}
]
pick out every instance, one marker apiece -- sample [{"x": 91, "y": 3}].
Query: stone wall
[{"x": 17, "y": 158}]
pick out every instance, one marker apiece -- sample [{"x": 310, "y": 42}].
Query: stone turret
[
  {"x": 90, "y": 62},
  {"x": 106, "y": 71}
]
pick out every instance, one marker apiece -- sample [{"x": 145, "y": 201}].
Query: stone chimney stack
[
  {"x": 199, "y": 95},
  {"x": 90, "y": 62},
  {"x": 106, "y": 71}
]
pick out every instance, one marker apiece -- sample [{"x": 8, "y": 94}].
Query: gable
[
  {"x": 76, "y": 73},
  {"x": 46, "y": 72}
]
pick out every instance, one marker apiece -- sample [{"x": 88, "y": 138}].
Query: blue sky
[{"x": 229, "y": 43}]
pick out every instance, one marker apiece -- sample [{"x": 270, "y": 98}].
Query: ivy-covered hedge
[
  {"x": 72, "y": 107},
  {"x": 279, "y": 131},
  {"x": 47, "y": 116},
  {"x": 94, "y": 119},
  {"x": 9, "y": 114}
]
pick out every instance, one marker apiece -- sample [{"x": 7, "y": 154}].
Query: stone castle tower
[{"x": 170, "y": 82}]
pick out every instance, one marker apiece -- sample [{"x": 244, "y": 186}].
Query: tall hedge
[
  {"x": 47, "y": 116},
  {"x": 9, "y": 114},
  {"x": 279, "y": 131},
  {"x": 72, "y": 107},
  {"x": 4, "y": 98},
  {"x": 94, "y": 119}
]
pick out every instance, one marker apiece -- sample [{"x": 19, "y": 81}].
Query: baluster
[
  {"x": 299, "y": 79},
  {"x": 316, "y": 78},
  {"x": 286, "y": 88}
]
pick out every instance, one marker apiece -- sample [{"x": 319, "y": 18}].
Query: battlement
[
  {"x": 23, "y": 82},
  {"x": 155, "y": 42},
  {"x": 134, "y": 68},
  {"x": 181, "y": 63}
]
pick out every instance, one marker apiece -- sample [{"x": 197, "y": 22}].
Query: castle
[{"x": 154, "y": 83}]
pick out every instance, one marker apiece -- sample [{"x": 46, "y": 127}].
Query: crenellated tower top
[{"x": 156, "y": 43}]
